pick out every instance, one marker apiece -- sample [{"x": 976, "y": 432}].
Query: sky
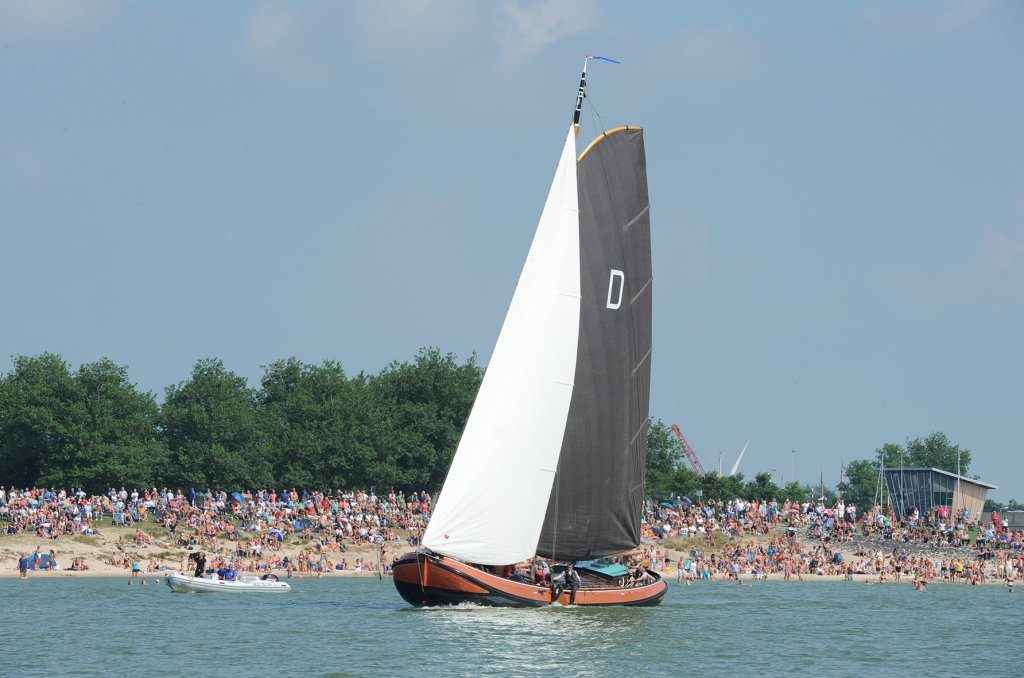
[{"x": 837, "y": 199}]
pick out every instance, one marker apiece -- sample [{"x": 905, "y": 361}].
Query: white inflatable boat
[{"x": 182, "y": 583}]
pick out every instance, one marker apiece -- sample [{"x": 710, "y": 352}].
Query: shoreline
[
  {"x": 669, "y": 577},
  {"x": 117, "y": 545},
  {"x": 157, "y": 576},
  {"x": 100, "y": 553}
]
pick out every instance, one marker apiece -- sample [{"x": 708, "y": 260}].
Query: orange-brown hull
[{"x": 428, "y": 580}]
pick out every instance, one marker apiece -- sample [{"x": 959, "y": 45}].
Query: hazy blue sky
[{"x": 837, "y": 198}]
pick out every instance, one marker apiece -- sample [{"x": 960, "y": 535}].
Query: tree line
[
  {"x": 315, "y": 427},
  {"x": 669, "y": 475},
  {"x": 861, "y": 478},
  {"x": 306, "y": 426}
]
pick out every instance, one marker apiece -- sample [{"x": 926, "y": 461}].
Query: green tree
[
  {"x": 724, "y": 488},
  {"x": 712, "y": 486},
  {"x": 312, "y": 424},
  {"x": 937, "y": 451},
  {"x": 686, "y": 482},
  {"x": 734, "y": 486},
  {"x": 418, "y": 412},
  {"x": 993, "y": 505},
  {"x": 794, "y": 491},
  {"x": 762, "y": 488},
  {"x": 891, "y": 455},
  {"x": 37, "y": 399},
  {"x": 209, "y": 425},
  {"x": 115, "y": 441},
  {"x": 664, "y": 457},
  {"x": 860, "y": 484},
  {"x": 92, "y": 429}
]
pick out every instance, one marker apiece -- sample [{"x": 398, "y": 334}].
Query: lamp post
[
  {"x": 956, "y": 495},
  {"x": 792, "y": 456}
]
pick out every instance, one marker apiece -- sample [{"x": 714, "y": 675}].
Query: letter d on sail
[{"x": 611, "y": 288}]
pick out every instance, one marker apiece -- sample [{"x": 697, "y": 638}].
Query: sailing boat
[{"x": 551, "y": 461}]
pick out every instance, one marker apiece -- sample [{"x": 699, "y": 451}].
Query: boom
[{"x": 688, "y": 450}]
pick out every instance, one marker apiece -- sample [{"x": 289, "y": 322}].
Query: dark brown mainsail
[{"x": 596, "y": 501}]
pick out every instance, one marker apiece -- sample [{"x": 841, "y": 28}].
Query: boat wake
[{"x": 457, "y": 607}]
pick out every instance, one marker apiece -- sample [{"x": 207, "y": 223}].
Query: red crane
[{"x": 688, "y": 450}]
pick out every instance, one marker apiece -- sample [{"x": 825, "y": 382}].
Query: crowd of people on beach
[
  {"x": 754, "y": 550},
  {"x": 755, "y": 539},
  {"x": 790, "y": 558},
  {"x": 245, "y": 528}
]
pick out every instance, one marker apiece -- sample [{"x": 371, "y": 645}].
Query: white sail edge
[{"x": 491, "y": 508}]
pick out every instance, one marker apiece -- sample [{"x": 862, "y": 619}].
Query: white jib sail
[{"x": 491, "y": 508}]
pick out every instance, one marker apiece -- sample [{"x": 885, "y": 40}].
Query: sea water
[{"x": 360, "y": 626}]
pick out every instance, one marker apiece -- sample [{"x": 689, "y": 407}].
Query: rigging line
[
  {"x": 593, "y": 118},
  {"x": 602, "y": 117}
]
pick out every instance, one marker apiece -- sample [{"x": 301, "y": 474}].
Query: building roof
[{"x": 963, "y": 479}]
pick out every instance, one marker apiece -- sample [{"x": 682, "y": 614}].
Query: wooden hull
[{"x": 426, "y": 581}]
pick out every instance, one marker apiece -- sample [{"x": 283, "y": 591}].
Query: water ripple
[{"x": 342, "y": 627}]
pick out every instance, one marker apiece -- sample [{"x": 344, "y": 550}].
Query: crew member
[
  {"x": 572, "y": 582},
  {"x": 569, "y": 579}
]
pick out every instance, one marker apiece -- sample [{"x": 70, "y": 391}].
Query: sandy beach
[{"x": 97, "y": 552}]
